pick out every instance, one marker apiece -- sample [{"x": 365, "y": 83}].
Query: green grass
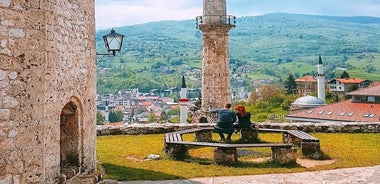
[
  {"x": 361, "y": 64},
  {"x": 298, "y": 67},
  {"x": 123, "y": 157}
]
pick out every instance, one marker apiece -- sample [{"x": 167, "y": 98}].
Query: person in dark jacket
[
  {"x": 244, "y": 118},
  {"x": 226, "y": 120}
]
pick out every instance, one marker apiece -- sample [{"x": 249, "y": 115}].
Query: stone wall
[
  {"x": 136, "y": 129},
  {"x": 47, "y": 60},
  {"x": 328, "y": 127}
]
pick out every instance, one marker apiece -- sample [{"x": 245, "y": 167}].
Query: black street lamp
[{"x": 113, "y": 42}]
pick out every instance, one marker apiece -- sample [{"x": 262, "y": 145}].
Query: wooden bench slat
[
  {"x": 302, "y": 135},
  {"x": 167, "y": 137},
  {"x": 194, "y": 130},
  {"x": 268, "y": 130},
  {"x": 177, "y": 137},
  {"x": 225, "y": 145},
  {"x": 171, "y": 138}
]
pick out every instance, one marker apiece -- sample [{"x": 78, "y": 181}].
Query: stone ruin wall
[
  {"x": 47, "y": 60},
  {"x": 330, "y": 127}
]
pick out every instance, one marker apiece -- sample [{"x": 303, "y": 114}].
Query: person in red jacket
[{"x": 244, "y": 118}]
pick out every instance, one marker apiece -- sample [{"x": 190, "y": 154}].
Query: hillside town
[{"x": 137, "y": 107}]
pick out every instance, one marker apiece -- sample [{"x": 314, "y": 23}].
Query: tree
[
  {"x": 253, "y": 97},
  {"x": 99, "y": 118},
  {"x": 115, "y": 116},
  {"x": 290, "y": 85},
  {"x": 344, "y": 75},
  {"x": 151, "y": 117},
  {"x": 164, "y": 116},
  {"x": 269, "y": 92},
  {"x": 197, "y": 104}
]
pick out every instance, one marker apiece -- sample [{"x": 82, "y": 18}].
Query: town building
[
  {"x": 347, "y": 84},
  {"x": 364, "y": 106},
  {"x": 306, "y": 84}
]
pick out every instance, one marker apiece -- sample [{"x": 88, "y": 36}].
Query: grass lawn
[{"x": 123, "y": 157}]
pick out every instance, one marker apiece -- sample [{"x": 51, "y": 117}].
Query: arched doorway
[{"x": 70, "y": 137}]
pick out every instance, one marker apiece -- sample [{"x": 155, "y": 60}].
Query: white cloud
[
  {"x": 120, "y": 13},
  {"x": 116, "y": 13}
]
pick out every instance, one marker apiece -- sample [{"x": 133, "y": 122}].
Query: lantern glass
[{"x": 113, "y": 41}]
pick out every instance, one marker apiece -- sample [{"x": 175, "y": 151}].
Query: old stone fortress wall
[{"x": 328, "y": 127}]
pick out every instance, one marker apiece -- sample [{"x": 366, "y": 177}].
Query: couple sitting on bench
[{"x": 227, "y": 118}]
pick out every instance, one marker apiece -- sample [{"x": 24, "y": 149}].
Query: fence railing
[{"x": 215, "y": 20}]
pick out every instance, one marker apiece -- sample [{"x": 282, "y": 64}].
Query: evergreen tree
[
  {"x": 344, "y": 75},
  {"x": 164, "y": 116},
  {"x": 197, "y": 104},
  {"x": 151, "y": 117},
  {"x": 115, "y": 116},
  {"x": 99, "y": 118},
  {"x": 290, "y": 85}
]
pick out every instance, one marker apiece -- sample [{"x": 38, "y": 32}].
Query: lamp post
[{"x": 113, "y": 42}]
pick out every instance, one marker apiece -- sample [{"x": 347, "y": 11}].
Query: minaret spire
[
  {"x": 321, "y": 80},
  {"x": 183, "y": 102}
]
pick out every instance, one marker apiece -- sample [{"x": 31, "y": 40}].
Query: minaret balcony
[{"x": 218, "y": 20}]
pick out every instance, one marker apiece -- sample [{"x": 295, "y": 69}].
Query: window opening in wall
[{"x": 69, "y": 139}]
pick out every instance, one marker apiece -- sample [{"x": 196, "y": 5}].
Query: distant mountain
[{"x": 273, "y": 41}]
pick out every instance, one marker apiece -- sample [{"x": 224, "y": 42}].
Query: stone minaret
[
  {"x": 47, "y": 90},
  {"x": 183, "y": 102},
  {"x": 215, "y": 25},
  {"x": 321, "y": 80}
]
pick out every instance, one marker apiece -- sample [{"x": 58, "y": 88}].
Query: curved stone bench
[
  {"x": 225, "y": 153},
  {"x": 310, "y": 146}
]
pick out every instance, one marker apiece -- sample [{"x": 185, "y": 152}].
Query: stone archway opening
[{"x": 70, "y": 136}]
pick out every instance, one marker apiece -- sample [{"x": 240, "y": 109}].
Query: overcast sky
[{"x": 116, "y": 13}]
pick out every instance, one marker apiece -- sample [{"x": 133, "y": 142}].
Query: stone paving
[{"x": 362, "y": 175}]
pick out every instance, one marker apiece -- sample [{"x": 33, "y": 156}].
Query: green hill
[{"x": 156, "y": 54}]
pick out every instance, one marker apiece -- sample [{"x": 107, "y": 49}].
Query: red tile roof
[
  {"x": 306, "y": 78},
  {"x": 376, "y": 83},
  {"x": 146, "y": 103},
  {"x": 114, "y": 124},
  {"x": 370, "y": 91},
  {"x": 341, "y": 111},
  {"x": 350, "y": 80}
]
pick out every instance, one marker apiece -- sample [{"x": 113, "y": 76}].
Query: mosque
[{"x": 364, "y": 106}]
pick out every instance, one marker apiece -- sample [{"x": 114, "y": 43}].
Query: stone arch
[
  {"x": 203, "y": 120},
  {"x": 71, "y": 134}
]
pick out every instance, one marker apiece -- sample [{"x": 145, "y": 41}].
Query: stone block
[
  {"x": 203, "y": 136},
  {"x": 284, "y": 155},
  {"x": 16, "y": 167},
  {"x": 311, "y": 150},
  {"x": 225, "y": 156},
  {"x": 2, "y": 170},
  {"x": 175, "y": 151},
  {"x": 5, "y": 114},
  {"x": 5, "y": 178},
  {"x": 249, "y": 136}
]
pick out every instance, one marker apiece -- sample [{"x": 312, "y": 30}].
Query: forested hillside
[{"x": 271, "y": 46}]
